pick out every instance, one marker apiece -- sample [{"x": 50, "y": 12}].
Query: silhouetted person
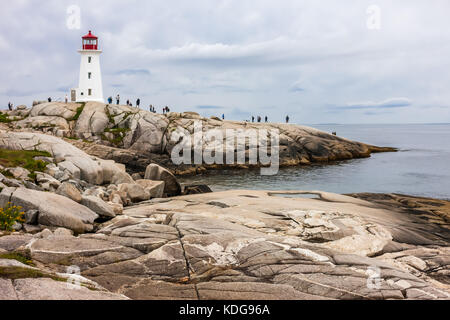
[
  {"x": 117, "y": 99},
  {"x": 49, "y": 99},
  {"x": 10, "y": 106},
  {"x": 266, "y": 119},
  {"x": 253, "y": 119},
  {"x": 287, "y": 119},
  {"x": 138, "y": 102},
  {"x": 259, "y": 119},
  {"x": 128, "y": 102}
]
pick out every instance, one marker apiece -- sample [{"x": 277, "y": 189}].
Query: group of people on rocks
[
  {"x": 151, "y": 108},
  {"x": 166, "y": 110},
  {"x": 259, "y": 119},
  {"x": 266, "y": 119}
]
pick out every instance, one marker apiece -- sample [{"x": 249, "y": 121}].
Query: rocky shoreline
[
  {"x": 95, "y": 229},
  {"x": 237, "y": 245},
  {"x": 137, "y": 137}
]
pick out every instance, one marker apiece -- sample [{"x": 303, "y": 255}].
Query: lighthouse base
[{"x": 77, "y": 95}]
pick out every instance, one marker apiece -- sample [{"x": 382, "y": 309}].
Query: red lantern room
[{"x": 90, "y": 42}]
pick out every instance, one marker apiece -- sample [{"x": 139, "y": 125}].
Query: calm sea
[{"x": 422, "y": 167}]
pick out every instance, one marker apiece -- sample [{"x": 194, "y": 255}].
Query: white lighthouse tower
[{"x": 90, "y": 84}]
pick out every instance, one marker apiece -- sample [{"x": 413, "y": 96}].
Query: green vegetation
[
  {"x": 78, "y": 112},
  {"x": 110, "y": 116},
  {"x": 118, "y": 135},
  {"x": 17, "y": 256},
  {"x": 24, "y": 159},
  {"x": 4, "y": 118},
  {"x": 14, "y": 273},
  {"x": 9, "y": 215}
]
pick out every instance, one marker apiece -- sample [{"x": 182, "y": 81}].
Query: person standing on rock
[
  {"x": 117, "y": 99},
  {"x": 223, "y": 116},
  {"x": 66, "y": 98},
  {"x": 287, "y": 119},
  {"x": 259, "y": 118},
  {"x": 10, "y": 106},
  {"x": 138, "y": 102},
  {"x": 49, "y": 99},
  {"x": 266, "y": 119},
  {"x": 253, "y": 119},
  {"x": 128, "y": 103}
]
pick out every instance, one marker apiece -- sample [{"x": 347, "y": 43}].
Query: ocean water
[{"x": 421, "y": 167}]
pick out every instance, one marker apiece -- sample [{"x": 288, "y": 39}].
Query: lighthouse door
[{"x": 73, "y": 95}]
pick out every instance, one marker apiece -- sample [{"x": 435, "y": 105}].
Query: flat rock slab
[
  {"x": 82, "y": 252},
  {"x": 48, "y": 289},
  {"x": 252, "y": 245},
  {"x": 12, "y": 242}
]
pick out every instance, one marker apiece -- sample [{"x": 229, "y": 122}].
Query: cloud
[
  {"x": 133, "y": 72},
  {"x": 209, "y": 107},
  {"x": 386, "y": 104},
  {"x": 302, "y": 58}
]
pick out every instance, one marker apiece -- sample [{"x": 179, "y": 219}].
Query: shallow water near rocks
[{"x": 421, "y": 167}]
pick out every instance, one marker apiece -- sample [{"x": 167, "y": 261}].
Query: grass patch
[
  {"x": 4, "y": 118},
  {"x": 118, "y": 135},
  {"x": 6, "y": 173},
  {"x": 24, "y": 159},
  {"x": 17, "y": 256},
  {"x": 110, "y": 116},
  {"x": 14, "y": 273},
  {"x": 78, "y": 112}
]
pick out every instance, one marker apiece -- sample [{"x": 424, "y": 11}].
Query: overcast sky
[{"x": 317, "y": 61}]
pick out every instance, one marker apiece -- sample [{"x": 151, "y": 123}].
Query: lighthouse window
[
  {"x": 89, "y": 59},
  {"x": 89, "y": 75},
  {"x": 90, "y": 92}
]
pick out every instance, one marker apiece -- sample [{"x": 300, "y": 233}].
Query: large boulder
[
  {"x": 92, "y": 121},
  {"x": 156, "y": 172},
  {"x": 155, "y": 188},
  {"x": 98, "y": 206},
  {"x": 135, "y": 192},
  {"x": 121, "y": 177},
  {"x": 90, "y": 170},
  {"x": 68, "y": 190},
  {"x": 68, "y": 166},
  {"x": 54, "y": 210}
]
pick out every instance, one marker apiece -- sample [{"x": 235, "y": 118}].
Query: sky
[{"x": 328, "y": 61}]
